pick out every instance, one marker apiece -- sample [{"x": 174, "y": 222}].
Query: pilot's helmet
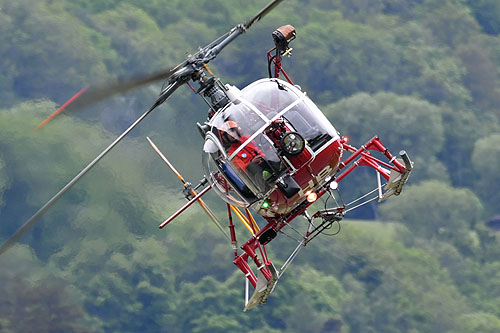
[{"x": 230, "y": 132}]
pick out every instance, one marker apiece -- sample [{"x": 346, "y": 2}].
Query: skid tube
[{"x": 267, "y": 275}]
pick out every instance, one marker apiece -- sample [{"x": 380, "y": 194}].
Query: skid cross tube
[{"x": 183, "y": 208}]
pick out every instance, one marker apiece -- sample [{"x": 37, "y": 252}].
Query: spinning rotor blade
[
  {"x": 270, "y": 6},
  {"x": 32, "y": 220},
  {"x": 94, "y": 94},
  {"x": 210, "y": 51},
  {"x": 176, "y": 76}
]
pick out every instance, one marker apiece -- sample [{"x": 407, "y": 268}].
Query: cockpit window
[
  {"x": 310, "y": 122},
  {"x": 256, "y": 162},
  {"x": 269, "y": 97},
  {"x": 246, "y": 153},
  {"x": 236, "y": 123}
]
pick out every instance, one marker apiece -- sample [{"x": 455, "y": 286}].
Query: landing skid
[{"x": 263, "y": 289}]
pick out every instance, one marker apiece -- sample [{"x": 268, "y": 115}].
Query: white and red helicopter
[{"x": 268, "y": 148}]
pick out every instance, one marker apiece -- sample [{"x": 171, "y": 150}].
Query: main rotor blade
[
  {"x": 270, "y": 6},
  {"x": 32, "y": 220},
  {"x": 213, "y": 49},
  {"x": 94, "y": 94}
]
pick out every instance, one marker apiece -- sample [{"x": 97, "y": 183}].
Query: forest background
[{"x": 421, "y": 74}]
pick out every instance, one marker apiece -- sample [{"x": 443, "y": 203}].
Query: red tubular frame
[
  {"x": 277, "y": 66},
  {"x": 183, "y": 208},
  {"x": 360, "y": 157}
]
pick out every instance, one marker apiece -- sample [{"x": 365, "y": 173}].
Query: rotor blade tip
[{"x": 62, "y": 107}]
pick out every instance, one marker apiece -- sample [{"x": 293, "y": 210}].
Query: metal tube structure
[
  {"x": 188, "y": 186},
  {"x": 31, "y": 221},
  {"x": 183, "y": 208}
]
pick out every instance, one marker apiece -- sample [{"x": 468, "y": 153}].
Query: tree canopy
[{"x": 423, "y": 75}]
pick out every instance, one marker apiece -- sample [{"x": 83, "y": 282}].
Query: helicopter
[{"x": 267, "y": 148}]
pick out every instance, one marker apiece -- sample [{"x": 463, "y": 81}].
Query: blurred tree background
[{"x": 424, "y": 75}]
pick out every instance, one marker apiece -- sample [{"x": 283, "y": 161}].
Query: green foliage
[
  {"x": 462, "y": 127},
  {"x": 320, "y": 298},
  {"x": 478, "y": 322},
  {"x": 4, "y": 181},
  {"x": 134, "y": 36},
  {"x": 486, "y": 13},
  {"x": 450, "y": 20},
  {"x": 433, "y": 209},
  {"x": 481, "y": 77},
  {"x": 163, "y": 12},
  {"x": 32, "y": 297},
  {"x": 419, "y": 74},
  {"x": 137, "y": 274},
  {"x": 110, "y": 194},
  {"x": 343, "y": 57},
  {"x": 485, "y": 161},
  {"x": 48, "y": 52},
  {"x": 400, "y": 121},
  {"x": 481, "y": 288},
  {"x": 387, "y": 286}
]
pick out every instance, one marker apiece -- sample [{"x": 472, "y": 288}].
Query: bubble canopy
[{"x": 236, "y": 144}]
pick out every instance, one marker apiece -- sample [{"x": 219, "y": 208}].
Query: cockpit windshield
[
  {"x": 245, "y": 151},
  {"x": 269, "y": 97}
]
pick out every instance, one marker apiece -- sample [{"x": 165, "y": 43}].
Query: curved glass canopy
[{"x": 239, "y": 145}]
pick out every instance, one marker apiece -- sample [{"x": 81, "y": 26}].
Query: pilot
[
  {"x": 233, "y": 138},
  {"x": 250, "y": 158}
]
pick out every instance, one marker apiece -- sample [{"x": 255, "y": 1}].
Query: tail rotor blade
[
  {"x": 155, "y": 148},
  {"x": 192, "y": 192}
]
